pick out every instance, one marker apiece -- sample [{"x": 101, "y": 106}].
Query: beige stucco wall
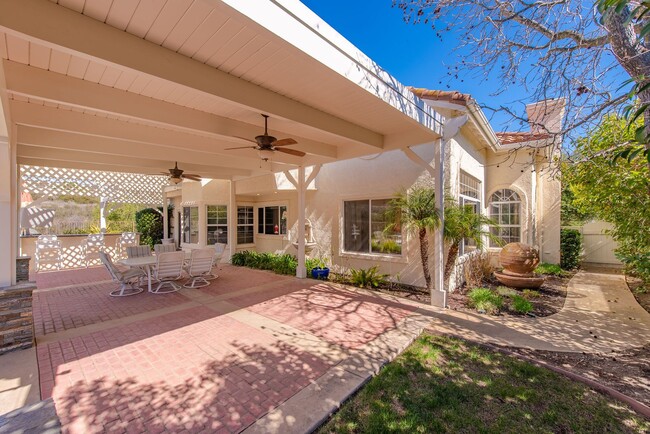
[{"x": 540, "y": 194}]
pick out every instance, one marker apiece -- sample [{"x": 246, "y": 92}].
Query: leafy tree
[
  {"x": 416, "y": 211},
  {"x": 570, "y": 214},
  {"x": 149, "y": 222},
  {"x": 562, "y": 48},
  {"x": 618, "y": 194},
  {"x": 463, "y": 223}
]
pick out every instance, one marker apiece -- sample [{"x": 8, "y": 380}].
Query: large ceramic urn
[{"x": 518, "y": 261}]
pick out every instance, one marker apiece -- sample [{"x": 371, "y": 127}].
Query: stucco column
[
  {"x": 438, "y": 293},
  {"x": 102, "y": 214},
  {"x": 232, "y": 224},
  {"x": 165, "y": 205},
  {"x": 301, "y": 272},
  {"x": 8, "y": 212}
]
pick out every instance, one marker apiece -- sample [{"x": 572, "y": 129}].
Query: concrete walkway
[{"x": 600, "y": 315}]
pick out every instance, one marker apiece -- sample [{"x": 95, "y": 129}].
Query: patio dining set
[{"x": 165, "y": 267}]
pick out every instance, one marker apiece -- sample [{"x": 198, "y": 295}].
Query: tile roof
[
  {"x": 509, "y": 138},
  {"x": 451, "y": 96}
]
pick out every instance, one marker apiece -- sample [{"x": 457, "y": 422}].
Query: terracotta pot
[{"x": 519, "y": 259}]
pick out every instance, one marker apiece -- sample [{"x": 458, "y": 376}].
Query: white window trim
[
  {"x": 236, "y": 224},
  {"x": 402, "y": 257},
  {"x": 520, "y": 225},
  {"x": 183, "y": 242},
  {"x": 227, "y": 225},
  {"x": 257, "y": 223}
]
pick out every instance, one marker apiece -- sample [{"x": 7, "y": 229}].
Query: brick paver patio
[{"x": 200, "y": 360}]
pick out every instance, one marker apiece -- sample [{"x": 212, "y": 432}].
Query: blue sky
[{"x": 411, "y": 53}]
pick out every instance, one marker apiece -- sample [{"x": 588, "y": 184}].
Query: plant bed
[
  {"x": 547, "y": 300},
  {"x": 442, "y": 384},
  {"x": 387, "y": 287}
]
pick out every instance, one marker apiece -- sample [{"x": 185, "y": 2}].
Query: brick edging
[{"x": 637, "y": 406}]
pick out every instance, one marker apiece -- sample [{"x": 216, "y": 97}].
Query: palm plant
[
  {"x": 463, "y": 223},
  {"x": 416, "y": 212}
]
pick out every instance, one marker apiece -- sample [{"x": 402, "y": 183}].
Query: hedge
[
  {"x": 570, "y": 248},
  {"x": 149, "y": 222}
]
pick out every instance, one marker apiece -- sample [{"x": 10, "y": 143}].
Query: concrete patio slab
[{"x": 18, "y": 380}]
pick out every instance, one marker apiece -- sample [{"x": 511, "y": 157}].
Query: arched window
[{"x": 505, "y": 209}]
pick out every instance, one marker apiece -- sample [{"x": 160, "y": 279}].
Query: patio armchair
[
  {"x": 48, "y": 251},
  {"x": 125, "y": 240},
  {"x": 130, "y": 280},
  {"x": 169, "y": 267},
  {"x": 162, "y": 248},
  {"x": 138, "y": 251},
  {"x": 219, "y": 248},
  {"x": 93, "y": 245},
  {"x": 199, "y": 265}
]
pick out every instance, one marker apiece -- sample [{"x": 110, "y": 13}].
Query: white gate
[{"x": 597, "y": 246}]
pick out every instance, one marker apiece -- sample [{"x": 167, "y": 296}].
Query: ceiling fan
[
  {"x": 176, "y": 175},
  {"x": 267, "y": 144}
]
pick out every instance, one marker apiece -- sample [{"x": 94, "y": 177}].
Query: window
[
  {"x": 367, "y": 228},
  {"x": 469, "y": 196},
  {"x": 245, "y": 225},
  {"x": 272, "y": 220},
  {"x": 505, "y": 209},
  {"x": 217, "y": 224},
  {"x": 191, "y": 224}
]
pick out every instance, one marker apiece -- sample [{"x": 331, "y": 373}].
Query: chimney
[{"x": 546, "y": 116}]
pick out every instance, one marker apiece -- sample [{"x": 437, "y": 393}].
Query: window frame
[
  {"x": 188, "y": 221},
  {"x": 395, "y": 257},
  {"x": 466, "y": 199},
  {"x": 497, "y": 218},
  {"x": 251, "y": 225},
  {"x": 216, "y": 226},
  {"x": 283, "y": 229}
]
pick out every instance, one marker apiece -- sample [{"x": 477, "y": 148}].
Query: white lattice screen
[{"x": 113, "y": 186}]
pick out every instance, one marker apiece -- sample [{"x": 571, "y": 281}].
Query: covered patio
[{"x": 214, "y": 359}]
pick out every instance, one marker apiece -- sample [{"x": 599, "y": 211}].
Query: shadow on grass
[{"x": 443, "y": 384}]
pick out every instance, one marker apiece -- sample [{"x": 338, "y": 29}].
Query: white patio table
[{"x": 146, "y": 263}]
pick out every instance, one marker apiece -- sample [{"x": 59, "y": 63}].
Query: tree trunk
[
  {"x": 424, "y": 256},
  {"x": 451, "y": 261}
]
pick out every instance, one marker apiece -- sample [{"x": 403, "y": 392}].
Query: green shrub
[
  {"x": 368, "y": 278},
  {"x": 505, "y": 291},
  {"x": 570, "y": 248},
  {"x": 239, "y": 258},
  {"x": 530, "y": 293},
  {"x": 486, "y": 300},
  {"x": 521, "y": 305},
  {"x": 637, "y": 264},
  {"x": 280, "y": 264},
  {"x": 550, "y": 270},
  {"x": 149, "y": 222}
]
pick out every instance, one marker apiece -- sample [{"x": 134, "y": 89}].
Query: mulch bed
[{"x": 552, "y": 295}]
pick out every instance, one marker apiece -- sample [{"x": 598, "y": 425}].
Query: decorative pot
[
  {"x": 320, "y": 273},
  {"x": 518, "y": 259}
]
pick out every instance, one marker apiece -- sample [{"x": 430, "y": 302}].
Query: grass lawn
[{"x": 442, "y": 384}]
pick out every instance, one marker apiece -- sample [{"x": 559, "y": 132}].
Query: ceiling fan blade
[
  {"x": 291, "y": 152},
  {"x": 192, "y": 177},
  {"x": 241, "y": 147},
  {"x": 284, "y": 142},
  {"x": 244, "y": 138}
]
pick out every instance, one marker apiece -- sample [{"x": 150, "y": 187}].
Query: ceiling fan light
[
  {"x": 175, "y": 179},
  {"x": 266, "y": 154}
]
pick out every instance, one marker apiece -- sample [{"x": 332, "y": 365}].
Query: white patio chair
[
  {"x": 169, "y": 267},
  {"x": 125, "y": 240},
  {"x": 164, "y": 248},
  {"x": 219, "y": 248},
  {"x": 130, "y": 280},
  {"x": 93, "y": 245},
  {"x": 48, "y": 251},
  {"x": 138, "y": 251},
  {"x": 199, "y": 265}
]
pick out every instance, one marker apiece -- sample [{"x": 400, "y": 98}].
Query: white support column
[
  {"x": 165, "y": 204},
  {"x": 102, "y": 214},
  {"x": 301, "y": 272},
  {"x": 232, "y": 224},
  {"x": 450, "y": 129},
  {"x": 438, "y": 293},
  {"x": 8, "y": 212}
]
